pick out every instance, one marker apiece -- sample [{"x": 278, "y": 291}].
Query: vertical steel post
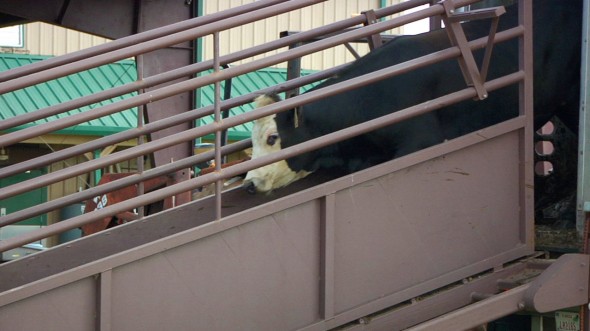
[
  {"x": 327, "y": 256},
  {"x": 293, "y": 71},
  {"x": 140, "y": 140},
  {"x": 526, "y": 182},
  {"x": 217, "y": 115},
  {"x": 583, "y": 203},
  {"x": 159, "y": 61},
  {"x": 104, "y": 301}
]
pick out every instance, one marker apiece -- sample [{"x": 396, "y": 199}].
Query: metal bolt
[{"x": 364, "y": 320}]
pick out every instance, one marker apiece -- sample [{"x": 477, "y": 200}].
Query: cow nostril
[{"x": 250, "y": 187}]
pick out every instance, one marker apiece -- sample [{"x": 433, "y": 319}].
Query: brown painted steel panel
[
  {"x": 435, "y": 218},
  {"x": 261, "y": 275},
  {"x": 70, "y": 307},
  {"x": 265, "y": 240}
]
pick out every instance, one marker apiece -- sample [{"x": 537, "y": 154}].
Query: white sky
[
  {"x": 418, "y": 26},
  {"x": 11, "y": 36}
]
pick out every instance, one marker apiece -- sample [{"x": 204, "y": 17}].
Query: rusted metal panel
[
  {"x": 298, "y": 215},
  {"x": 110, "y": 198}
]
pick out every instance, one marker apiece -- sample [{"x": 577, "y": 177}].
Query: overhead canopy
[{"x": 111, "y": 19}]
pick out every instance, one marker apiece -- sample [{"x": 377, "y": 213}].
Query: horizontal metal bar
[
  {"x": 477, "y": 14},
  {"x": 246, "y": 117},
  {"x": 198, "y": 67}
]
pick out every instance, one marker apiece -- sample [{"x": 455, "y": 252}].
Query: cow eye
[{"x": 272, "y": 139}]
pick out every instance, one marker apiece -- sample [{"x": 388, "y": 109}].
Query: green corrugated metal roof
[
  {"x": 108, "y": 76},
  {"x": 69, "y": 88}
]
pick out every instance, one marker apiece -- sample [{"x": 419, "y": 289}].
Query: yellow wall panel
[
  {"x": 47, "y": 39},
  {"x": 300, "y": 20}
]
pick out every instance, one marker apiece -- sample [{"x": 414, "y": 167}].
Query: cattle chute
[{"x": 386, "y": 239}]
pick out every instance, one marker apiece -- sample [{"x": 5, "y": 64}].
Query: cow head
[{"x": 266, "y": 140}]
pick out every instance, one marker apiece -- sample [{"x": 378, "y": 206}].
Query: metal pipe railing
[
  {"x": 195, "y": 83},
  {"x": 208, "y": 129},
  {"x": 199, "y": 67},
  {"x": 14, "y": 217},
  {"x": 350, "y": 132},
  {"x": 312, "y": 144},
  {"x": 134, "y": 50},
  {"x": 173, "y": 89},
  {"x": 120, "y": 183},
  {"x": 221, "y": 174},
  {"x": 155, "y": 43},
  {"x": 132, "y": 40},
  {"x": 159, "y": 125}
]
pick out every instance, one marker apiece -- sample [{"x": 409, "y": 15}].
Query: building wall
[
  {"x": 300, "y": 20},
  {"x": 46, "y": 39}
]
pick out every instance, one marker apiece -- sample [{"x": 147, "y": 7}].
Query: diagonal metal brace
[
  {"x": 374, "y": 40},
  {"x": 471, "y": 73}
]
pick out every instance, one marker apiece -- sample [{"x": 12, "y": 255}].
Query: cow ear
[{"x": 266, "y": 99}]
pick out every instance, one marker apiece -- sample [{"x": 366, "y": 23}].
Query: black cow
[{"x": 556, "y": 40}]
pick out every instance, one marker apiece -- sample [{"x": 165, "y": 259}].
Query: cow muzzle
[
  {"x": 256, "y": 185},
  {"x": 249, "y": 187},
  {"x": 271, "y": 177}
]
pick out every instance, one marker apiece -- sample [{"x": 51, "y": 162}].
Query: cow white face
[{"x": 266, "y": 140}]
